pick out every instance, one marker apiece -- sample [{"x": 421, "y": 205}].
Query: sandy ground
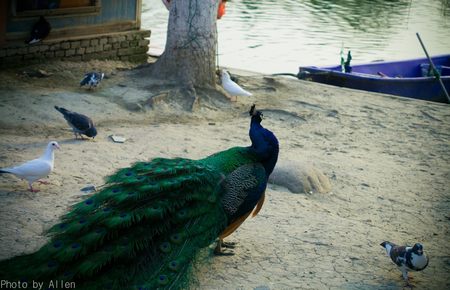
[{"x": 388, "y": 160}]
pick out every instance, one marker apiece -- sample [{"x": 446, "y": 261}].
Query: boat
[{"x": 411, "y": 78}]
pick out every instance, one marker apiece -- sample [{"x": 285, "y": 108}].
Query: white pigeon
[
  {"x": 231, "y": 87},
  {"x": 35, "y": 169}
]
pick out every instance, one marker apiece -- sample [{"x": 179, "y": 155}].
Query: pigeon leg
[
  {"x": 31, "y": 188},
  {"x": 405, "y": 274},
  {"x": 406, "y": 278}
]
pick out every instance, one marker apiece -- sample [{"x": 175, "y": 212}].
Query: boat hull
[{"x": 402, "y": 78}]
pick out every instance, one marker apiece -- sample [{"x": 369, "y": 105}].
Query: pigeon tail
[
  {"x": 62, "y": 110},
  {"x": 387, "y": 246}
]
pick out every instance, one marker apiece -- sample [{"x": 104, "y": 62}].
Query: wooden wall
[
  {"x": 113, "y": 16},
  {"x": 3, "y": 14}
]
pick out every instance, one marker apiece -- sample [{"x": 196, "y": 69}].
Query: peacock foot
[
  {"x": 229, "y": 245},
  {"x": 221, "y": 244}
]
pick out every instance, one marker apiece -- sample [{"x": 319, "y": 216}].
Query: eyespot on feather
[
  {"x": 165, "y": 247},
  {"x": 163, "y": 280},
  {"x": 174, "y": 265}
]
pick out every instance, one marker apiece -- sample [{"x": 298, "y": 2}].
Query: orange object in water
[{"x": 221, "y": 10}]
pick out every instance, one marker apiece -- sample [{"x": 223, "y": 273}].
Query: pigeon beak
[{"x": 57, "y": 146}]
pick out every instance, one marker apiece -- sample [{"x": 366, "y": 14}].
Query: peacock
[{"x": 146, "y": 225}]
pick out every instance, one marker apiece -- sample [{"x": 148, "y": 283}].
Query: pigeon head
[
  {"x": 53, "y": 145},
  {"x": 418, "y": 249},
  {"x": 91, "y": 132},
  {"x": 257, "y": 116}
]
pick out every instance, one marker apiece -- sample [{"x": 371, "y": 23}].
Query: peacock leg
[
  {"x": 218, "y": 250},
  {"x": 229, "y": 245}
]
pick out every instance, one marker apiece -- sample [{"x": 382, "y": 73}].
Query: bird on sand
[
  {"x": 406, "y": 258},
  {"x": 39, "y": 31},
  {"x": 92, "y": 79},
  {"x": 35, "y": 169},
  {"x": 80, "y": 123},
  {"x": 144, "y": 228},
  {"x": 231, "y": 87}
]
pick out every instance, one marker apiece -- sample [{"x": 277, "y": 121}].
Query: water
[{"x": 280, "y": 35}]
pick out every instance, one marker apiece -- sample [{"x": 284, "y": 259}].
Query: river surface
[{"x": 272, "y": 36}]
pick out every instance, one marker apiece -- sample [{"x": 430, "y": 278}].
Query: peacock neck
[{"x": 264, "y": 145}]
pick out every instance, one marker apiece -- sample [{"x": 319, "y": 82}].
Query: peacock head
[
  {"x": 257, "y": 116},
  {"x": 264, "y": 142}
]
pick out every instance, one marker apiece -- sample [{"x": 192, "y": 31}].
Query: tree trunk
[{"x": 190, "y": 53}]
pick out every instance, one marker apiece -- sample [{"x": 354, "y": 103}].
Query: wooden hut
[{"x": 80, "y": 30}]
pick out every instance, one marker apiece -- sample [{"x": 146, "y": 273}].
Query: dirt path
[{"x": 388, "y": 160}]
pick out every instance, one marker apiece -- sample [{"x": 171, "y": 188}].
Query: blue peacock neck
[{"x": 264, "y": 144}]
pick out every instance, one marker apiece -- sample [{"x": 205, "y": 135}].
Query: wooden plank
[
  {"x": 3, "y": 20},
  {"x": 77, "y": 31},
  {"x": 60, "y": 11},
  {"x": 138, "y": 13},
  {"x": 74, "y": 3}
]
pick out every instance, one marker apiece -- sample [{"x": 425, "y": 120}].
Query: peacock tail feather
[{"x": 142, "y": 229}]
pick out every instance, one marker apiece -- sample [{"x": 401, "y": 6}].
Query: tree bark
[{"x": 190, "y": 54}]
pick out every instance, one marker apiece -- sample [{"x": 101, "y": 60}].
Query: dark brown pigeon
[{"x": 80, "y": 124}]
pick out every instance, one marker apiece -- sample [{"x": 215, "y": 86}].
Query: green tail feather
[{"x": 141, "y": 231}]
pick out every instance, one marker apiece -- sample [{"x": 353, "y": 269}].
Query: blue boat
[{"x": 408, "y": 78}]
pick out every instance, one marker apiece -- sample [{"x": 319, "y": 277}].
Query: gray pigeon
[
  {"x": 80, "y": 124},
  {"x": 92, "y": 79},
  {"x": 35, "y": 169},
  {"x": 406, "y": 258}
]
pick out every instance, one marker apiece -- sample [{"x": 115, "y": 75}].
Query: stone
[
  {"x": 75, "y": 44},
  {"x": 94, "y": 42},
  {"x": 85, "y": 43},
  {"x": 55, "y": 46},
  {"x": 81, "y": 50},
  {"x": 70, "y": 52},
  {"x": 59, "y": 53},
  {"x": 90, "y": 49},
  {"x": 144, "y": 42},
  {"x": 44, "y": 47},
  {"x": 299, "y": 177},
  {"x": 65, "y": 45}
]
